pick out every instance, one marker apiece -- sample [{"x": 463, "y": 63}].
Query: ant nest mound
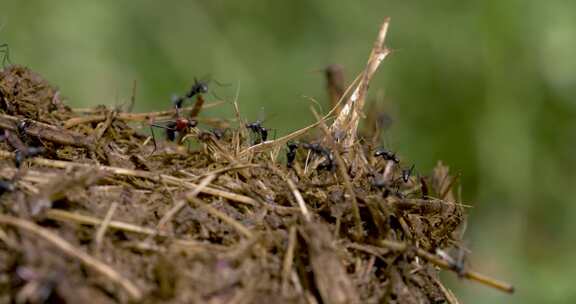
[{"x": 104, "y": 214}]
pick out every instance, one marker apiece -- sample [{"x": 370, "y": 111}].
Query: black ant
[
  {"x": 457, "y": 264},
  {"x": 328, "y": 164},
  {"x": 6, "y": 53},
  {"x": 220, "y": 133},
  {"x": 387, "y": 155},
  {"x": 291, "y": 154},
  {"x": 406, "y": 173},
  {"x": 21, "y": 128},
  {"x": 199, "y": 87},
  {"x": 259, "y": 130},
  {"x": 22, "y": 154}
]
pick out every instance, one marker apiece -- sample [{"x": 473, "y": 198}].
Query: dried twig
[
  {"x": 105, "y": 223},
  {"x": 346, "y": 123},
  {"x": 436, "y": 260},
  {"x": 288, "y": 258}
]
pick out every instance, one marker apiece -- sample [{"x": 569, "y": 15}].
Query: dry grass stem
[{"x": 104, "y": 226}]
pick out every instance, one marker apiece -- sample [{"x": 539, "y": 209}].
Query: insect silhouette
[
  {"x": 387, "y": 155},
  {"x": 198, "y": 88},
  {"x": 458, "y": 263},
  {"x": 22, "y": 154},
  {"x": 257, "y": 128},
  {"x": 406, "y": 173},
  {"x": 291, "y": 154},
  {"x": 21, "y": 150},
  {"x": 177, "y": 127},
  {"x": 317, "y": 149}
]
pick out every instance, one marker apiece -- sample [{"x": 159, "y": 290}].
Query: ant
[
  {"x": 457, "y": 264},
  {"x": 22, "y": 154},
  {"x": 220, "y": 133},
  {"x": 291, "y": 154},
  {"x": 328, "y": 164},
  {"x": 22, "y": 151},
  {"x": 387, "y": 155},
  {"x": 199, "y": 87},
  {"x": 406, "y": 172},
  {"x": 259, "y": 130},
  {"x": 178, "y": 126},
  {"x": 21, "y": 128},
  {"x": 6, "y": 53}
]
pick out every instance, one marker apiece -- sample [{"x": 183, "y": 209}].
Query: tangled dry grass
[{"x": 93, "y": 210}]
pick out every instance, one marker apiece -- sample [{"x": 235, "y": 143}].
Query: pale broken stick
[
  {"x": 346, "y": 124},
  {"x": 70, "y": 250},
  {"x": 105, "y": 223}
]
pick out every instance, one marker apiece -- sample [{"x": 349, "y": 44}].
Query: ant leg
[
  {"x": 153, "y": 140},
  {"x": 6, "y": 54}
]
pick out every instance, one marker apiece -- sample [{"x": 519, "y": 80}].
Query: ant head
[
  {"x": 202, "y": 87},
  {"x": 292, "y": 145},
  {"x": 22, "y": 125}
]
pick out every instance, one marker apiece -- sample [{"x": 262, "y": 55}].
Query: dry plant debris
[{"x": 93, "y": 210}]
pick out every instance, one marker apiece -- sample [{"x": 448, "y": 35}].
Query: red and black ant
[{"x": 178, "y": 127}]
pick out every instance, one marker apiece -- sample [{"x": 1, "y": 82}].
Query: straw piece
[{"x": 346, "y": 124}]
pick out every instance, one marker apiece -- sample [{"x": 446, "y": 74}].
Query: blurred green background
[{"x": 486, "y": 86}]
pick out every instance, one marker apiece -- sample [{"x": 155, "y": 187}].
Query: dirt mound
[{"x": 93, "y": 210}]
